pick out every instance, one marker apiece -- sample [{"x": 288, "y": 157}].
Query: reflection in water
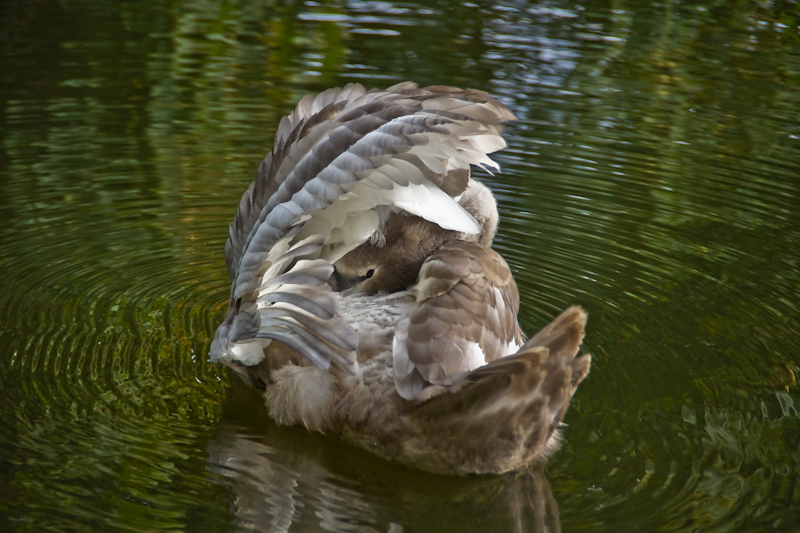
[
  {"x": 271, "y": 496},
  {"x": 652, "y": 179},
  {"x": 280, "y": 483}
]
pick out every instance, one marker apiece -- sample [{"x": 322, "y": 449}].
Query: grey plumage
[
  {"x": 322, "y": 151},
  {"x": 366, "y": 299},
  {"x": 467, "y": 300}
]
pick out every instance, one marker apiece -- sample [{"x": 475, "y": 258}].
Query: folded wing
[{"x": 465, "y": 317}]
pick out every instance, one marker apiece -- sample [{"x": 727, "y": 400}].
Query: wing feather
[
  {"x": 339, "y": 158},
  {"x": 465, "y": 317}
]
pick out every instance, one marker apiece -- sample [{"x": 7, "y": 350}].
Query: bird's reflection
[{"x": 287, "y": 479}]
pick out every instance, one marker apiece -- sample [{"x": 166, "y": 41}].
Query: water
[{"x": 652, "y": 178}]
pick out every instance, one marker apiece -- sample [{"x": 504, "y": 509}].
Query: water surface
[{"x": 652, "y": 178}]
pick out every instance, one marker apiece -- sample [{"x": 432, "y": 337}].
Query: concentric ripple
[
  {"x": 679, "y": 248},
  {"x": 108, "y": 299},
  {"x": 651, "y": 178}
]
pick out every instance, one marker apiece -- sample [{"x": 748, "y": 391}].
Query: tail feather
[
  {"x": 569, "y": 326},
  {"x": 521, "y": 399}
]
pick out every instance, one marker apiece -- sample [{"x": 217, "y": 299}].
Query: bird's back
[{"x": 366, "y": 299}]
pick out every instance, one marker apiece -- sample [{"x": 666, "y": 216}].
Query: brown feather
[
  {"x": 317, "y": 285},
  {"x": 520, "y": 400},
  {"x": 457, "y": 294}
]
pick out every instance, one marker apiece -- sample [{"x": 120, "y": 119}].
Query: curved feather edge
[
  {"x": 465, "y": 317},
  {"x": 329, "y": 145}
]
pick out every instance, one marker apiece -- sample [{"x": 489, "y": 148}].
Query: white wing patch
[{"x": 248, "y": 353}]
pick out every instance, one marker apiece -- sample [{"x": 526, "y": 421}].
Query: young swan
[{"x": 366, "y": 300}]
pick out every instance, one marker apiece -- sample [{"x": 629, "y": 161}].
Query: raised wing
[
  {"x": 465, "y": 317},
  {"x": 342, "y": 163}
]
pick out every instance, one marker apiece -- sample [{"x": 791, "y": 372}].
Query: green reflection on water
[{"x": 652, "y": 178}]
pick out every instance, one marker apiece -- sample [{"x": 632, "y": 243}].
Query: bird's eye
[{"x": 369, "y": 273}]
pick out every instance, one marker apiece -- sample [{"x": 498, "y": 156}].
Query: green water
[{"x": 653, "y": 178}]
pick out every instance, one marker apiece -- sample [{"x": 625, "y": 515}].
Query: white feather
[
  {"x": 248, "y": 353},
  {"x": 431, "y": 203},
  {"x": 473, "y": 357}
]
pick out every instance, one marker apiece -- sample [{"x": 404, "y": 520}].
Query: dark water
[{"x": 653, "y": 177}]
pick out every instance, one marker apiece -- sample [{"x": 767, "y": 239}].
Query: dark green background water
[{"x": 653, "y": 177}]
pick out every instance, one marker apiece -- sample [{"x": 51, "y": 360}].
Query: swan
[{"x": 365, "y": 299}]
